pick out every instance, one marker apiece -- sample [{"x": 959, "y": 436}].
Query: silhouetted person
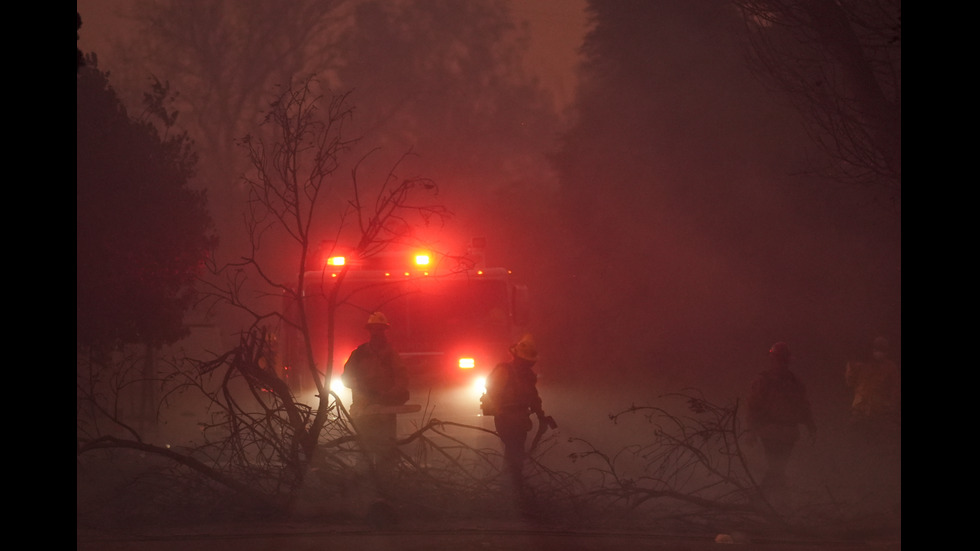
[
  {"x": 876, "y": 426},
  {"x": 877, "y": 405},
  {"x": 511, "y": 397},
  {"x": 777, "y": 405},
  {"x": 377, "y": 379}
]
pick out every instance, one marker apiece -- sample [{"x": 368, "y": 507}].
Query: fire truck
[{"x": 452, "y": 320}]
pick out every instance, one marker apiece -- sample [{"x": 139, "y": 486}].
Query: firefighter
[
  {"x": 511, "y": 397},
  {"x": 777, "y": 405},
  {"x": 877, "y": 404},
  {"x": 377, "y": 379}
]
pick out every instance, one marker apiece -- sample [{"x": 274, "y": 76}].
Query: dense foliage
[{"x": 142, "y": 233}]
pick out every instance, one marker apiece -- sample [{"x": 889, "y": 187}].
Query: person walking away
[
  {"x": 777, "y": 405},
  {"x": 511, "y": 397},
  {"x": 876, "y": 424},
  {"x": 378, "y": 380},
  {"x": 877, "y": 405}
]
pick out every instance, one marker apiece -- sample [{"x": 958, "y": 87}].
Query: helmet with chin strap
[
  {"x": 377, "y": 319},
  {"x": 525, "y": 349}
]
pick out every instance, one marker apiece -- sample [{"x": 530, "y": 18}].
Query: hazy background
[{"x": 657, "y": 197}]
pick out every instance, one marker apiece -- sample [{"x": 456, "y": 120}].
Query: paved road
[{"x": 302, "y": 539}]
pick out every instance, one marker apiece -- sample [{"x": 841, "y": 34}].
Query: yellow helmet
[
  {"x": 525, "y": 348},
  {"x": 378, "y": 318}
]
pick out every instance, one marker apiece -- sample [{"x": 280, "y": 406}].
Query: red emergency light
[
  {"x": 422, "y": 259},
  {"x": 467, "y": 363},
  {"x": 336, "y": 261}
]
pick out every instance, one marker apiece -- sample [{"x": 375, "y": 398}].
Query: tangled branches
[{"x": 689, "y": 464}]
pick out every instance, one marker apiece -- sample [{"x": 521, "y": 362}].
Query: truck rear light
[{"x": 467, "y": 363}]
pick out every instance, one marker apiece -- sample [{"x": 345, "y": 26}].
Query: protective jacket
[
  {"x": 778, "y": 399},
  {"x": 376, "y": 376},
  {"x": 512, "y": 388},
  {"x": 877, "y": 388}
]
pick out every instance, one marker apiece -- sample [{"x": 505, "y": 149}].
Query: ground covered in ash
[{"x": 133, "y": 494}]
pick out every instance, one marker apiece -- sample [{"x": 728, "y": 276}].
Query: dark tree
[
  {"x": 224, "y": 56},
  {"x": 687, "y": 212},
  {"x": 840, "y": 63},
  {"x": 142, "y": 235},
  {"x": 79, "y": 58}
]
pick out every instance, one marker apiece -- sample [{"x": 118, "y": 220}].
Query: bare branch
[{"x": 839, "y": 62}]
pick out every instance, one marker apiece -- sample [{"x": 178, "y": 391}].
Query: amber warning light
[
  {"x": 467, "y": 363},
  {"x": 336, "y": 261},
  {"x": 422, "y": 259}
]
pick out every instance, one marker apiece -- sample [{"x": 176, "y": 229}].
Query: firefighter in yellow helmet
[
  {"x": 377, "y": 379},
  {"x": 511, "y": 397},
  {"x": 877, "y": 405}
]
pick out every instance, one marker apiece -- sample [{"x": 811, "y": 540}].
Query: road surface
[{"x": 510, "y": 538}]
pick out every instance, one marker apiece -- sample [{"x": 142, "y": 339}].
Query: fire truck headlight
[{"x": 338, "y": 387}]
